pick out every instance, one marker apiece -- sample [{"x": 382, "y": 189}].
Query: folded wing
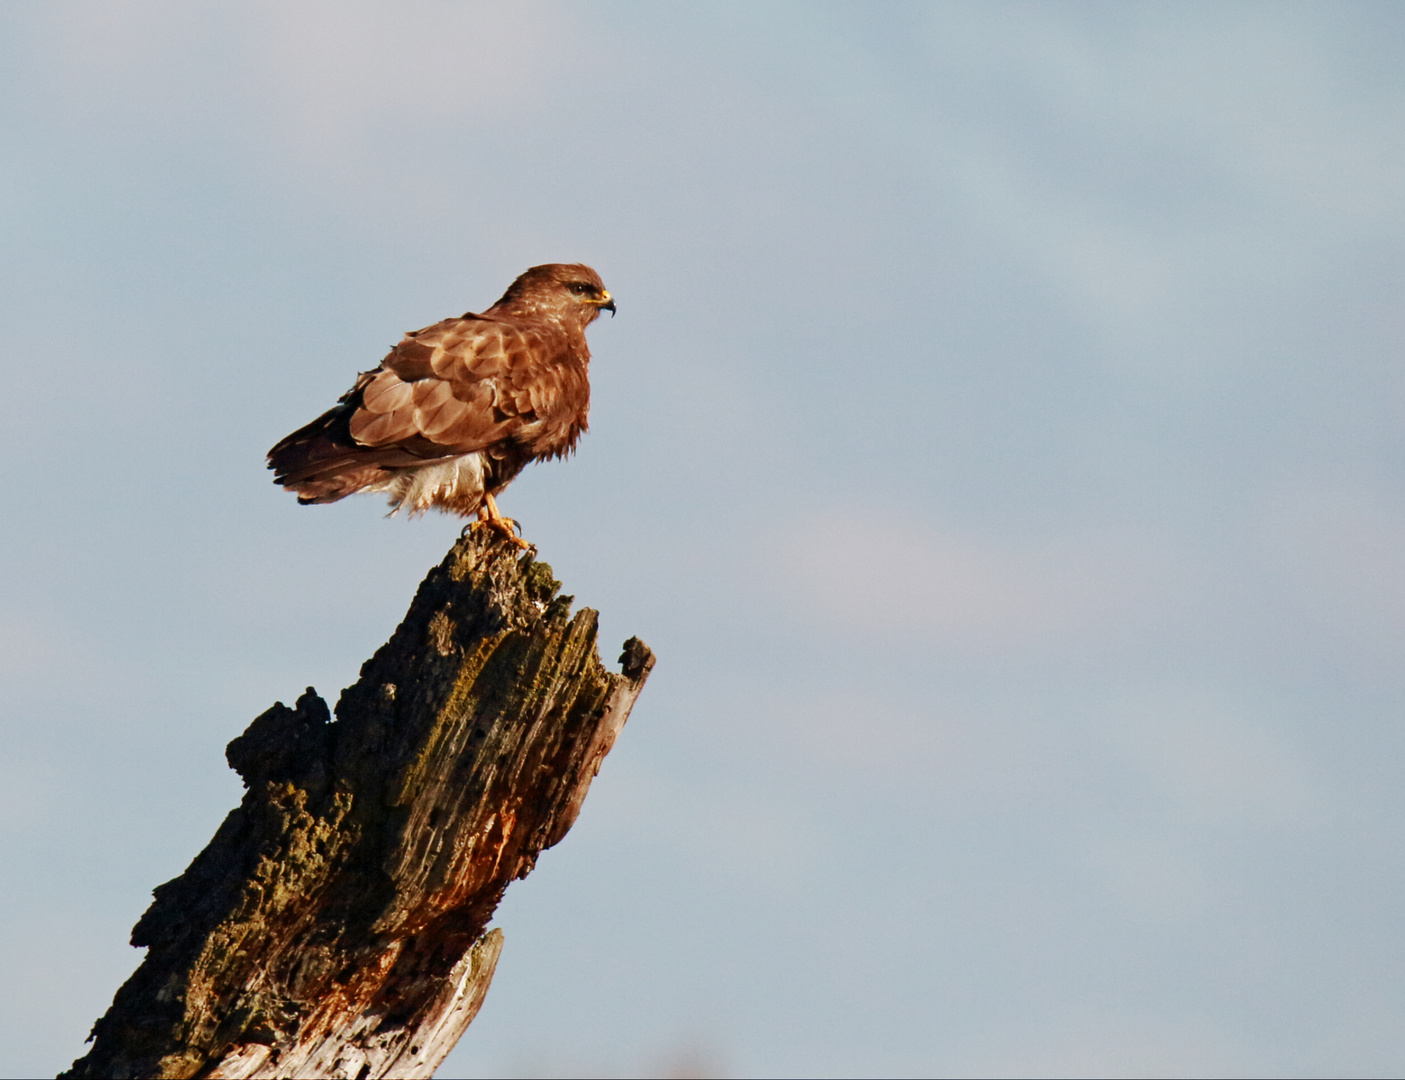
[{"x": 457, "y": 387}]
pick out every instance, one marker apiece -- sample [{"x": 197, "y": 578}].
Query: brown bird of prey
[{"x": 458, "y": 409}]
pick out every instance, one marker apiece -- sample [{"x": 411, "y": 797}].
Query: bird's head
[{"x": 570, "y": 292}]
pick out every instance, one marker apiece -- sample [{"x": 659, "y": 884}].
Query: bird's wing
[{"x": 460, "y": 386}]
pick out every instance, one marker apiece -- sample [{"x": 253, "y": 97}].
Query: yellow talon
[{"x": 489, "y": 517}]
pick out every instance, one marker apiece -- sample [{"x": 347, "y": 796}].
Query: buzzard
[{"x": 458, "y": 409}]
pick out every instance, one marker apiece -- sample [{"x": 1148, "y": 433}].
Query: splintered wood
[{"x": 337, "y": 924}]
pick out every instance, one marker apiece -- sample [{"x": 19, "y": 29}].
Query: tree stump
[{"x": 336, "y": 925}]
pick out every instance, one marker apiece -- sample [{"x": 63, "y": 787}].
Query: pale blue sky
[{"x": 999, "y": 443}]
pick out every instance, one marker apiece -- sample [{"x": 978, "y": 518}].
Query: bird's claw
[
  {"x": 490, "y": 516},
  {"x": 503, "y": 526}
]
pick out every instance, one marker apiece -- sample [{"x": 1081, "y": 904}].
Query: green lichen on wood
[{"x": 356, "y": 879}]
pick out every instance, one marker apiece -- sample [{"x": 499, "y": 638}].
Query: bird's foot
[
  {"x": 490, "y": 518},
  {"x": 502, "y": 526}
]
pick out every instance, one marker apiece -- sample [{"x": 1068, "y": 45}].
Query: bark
[{"x": 336, "y": 925}]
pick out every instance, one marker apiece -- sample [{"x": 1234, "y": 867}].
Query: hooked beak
[{"x": 606, "y": 303}]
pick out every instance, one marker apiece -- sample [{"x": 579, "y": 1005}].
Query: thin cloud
[{"x": 967, "y": 590}]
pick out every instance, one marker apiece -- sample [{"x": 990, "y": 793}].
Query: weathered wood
[{"x": 336, "y": 925}]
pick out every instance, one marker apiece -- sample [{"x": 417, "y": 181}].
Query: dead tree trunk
[{"x": 336, "y": 925}]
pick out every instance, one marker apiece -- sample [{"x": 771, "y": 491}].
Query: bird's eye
[{"x": 580, "y": 288}]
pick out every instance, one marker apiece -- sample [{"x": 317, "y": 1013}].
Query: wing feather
[
  {"x": 444, "y": 420},
  {"x": 411, "y": 359},
  {"x": 382, "y": 429},
  {"x": 429, "y": 394},
  {"x": 386, "y": 393}
]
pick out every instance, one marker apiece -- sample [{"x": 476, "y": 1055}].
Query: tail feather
[
  {"x": 311, "y": 444},
  {"x": 320, "y": 461}
]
